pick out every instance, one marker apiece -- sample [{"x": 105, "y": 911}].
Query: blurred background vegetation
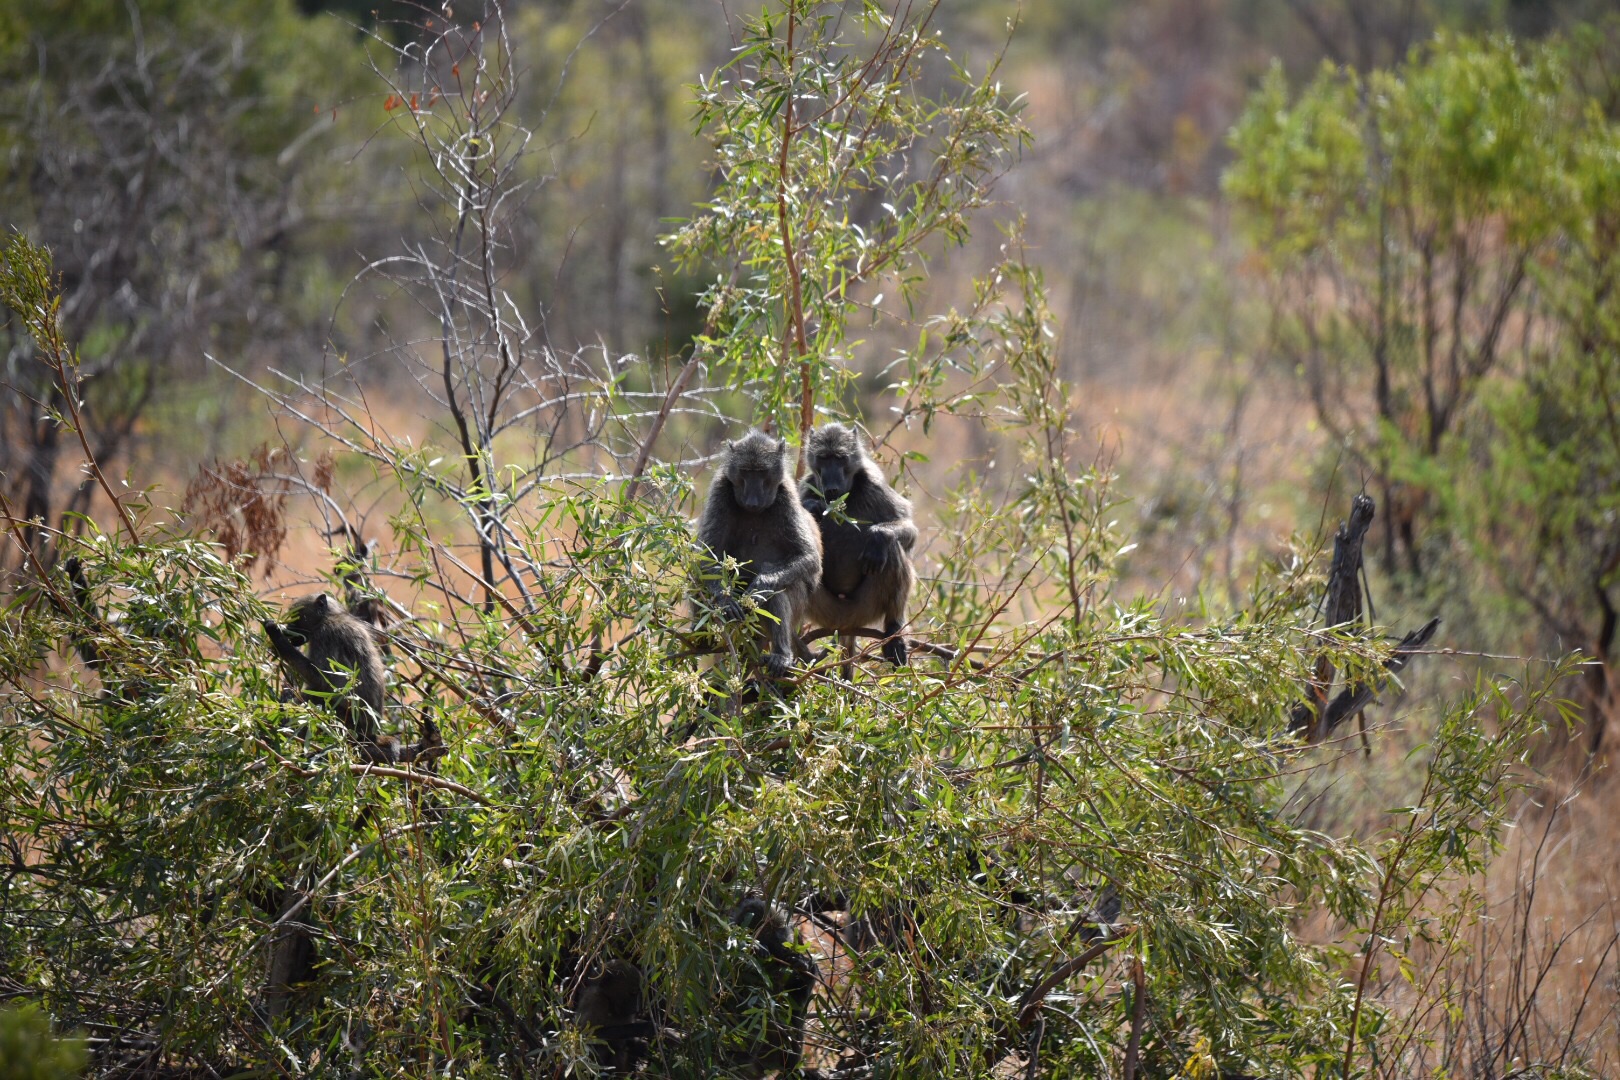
[
  {"x": 210, "y": 178},
  {"x": 1292, "y": 250}
]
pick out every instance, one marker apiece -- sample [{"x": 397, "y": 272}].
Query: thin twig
[
  {"x": 676, "y": 388},
  {"x": 362, "y": 769}
]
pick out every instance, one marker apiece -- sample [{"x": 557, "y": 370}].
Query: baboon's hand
[
  {"x": 880, "y": 552},
  {"x": 274, "y": 631},
  {"x": 778, "y": 666},
  {"x": 730, "y": 607},
  {"x": 815, "y": 504}
]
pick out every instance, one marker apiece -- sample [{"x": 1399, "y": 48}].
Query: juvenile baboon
[
  {"x": 86, "y": 646},
  {"x": 338, "y": 663},
  {"x": 790, "y": 974},
  {"x": 866, "y": 573},
  {"x": 754, "y": 516}
]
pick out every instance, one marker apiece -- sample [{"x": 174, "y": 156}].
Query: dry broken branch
[{"x": 1316, "y": 717}]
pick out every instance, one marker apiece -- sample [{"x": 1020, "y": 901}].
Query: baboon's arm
[
  {"x": 903, "y": 531},
  {"x": 887, "y": 543},
  {"x": 805, "y": 567},
  {"x": 289, "y": 654}
]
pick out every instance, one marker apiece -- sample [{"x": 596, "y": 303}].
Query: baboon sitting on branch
[
  {"x": 334, "y": 657},
  {"x": 790, "y": 978},
  {"x": 753, "y": 516},
  {"x": 866, "y": 572}
]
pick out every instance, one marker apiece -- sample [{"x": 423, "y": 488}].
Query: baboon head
[
  {"x": 308, "y": 614},
  {"x": 756, "y": 468},
  {"x": 836, "y": 458}
]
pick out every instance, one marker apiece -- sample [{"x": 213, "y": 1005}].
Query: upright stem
[
  {"x": 795, "y": 297},
  {"x": 675, "y": 390},
  {"x": 1133, "y": 1048},
  {"x": 49, "y": 333},
  {"x": 472, "y": 451},
  {"x": 1385, "y": 892}
]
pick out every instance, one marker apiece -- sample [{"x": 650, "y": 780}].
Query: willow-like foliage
[{"x": 1067, "y": 851}]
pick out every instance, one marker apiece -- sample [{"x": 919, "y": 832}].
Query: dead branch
[{"x": 1316, "y": 717}]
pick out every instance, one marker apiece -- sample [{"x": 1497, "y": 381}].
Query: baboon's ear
[{"x": 729, "y": 445}]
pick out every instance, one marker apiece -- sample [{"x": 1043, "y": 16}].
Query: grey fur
[
  {"x": 754, "y": 516},
  {"x": 866, "y": 571},
  {"x": 339, "y": 663}
]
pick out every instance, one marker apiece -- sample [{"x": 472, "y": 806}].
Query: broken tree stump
[{"x": 1317, "y": 717}]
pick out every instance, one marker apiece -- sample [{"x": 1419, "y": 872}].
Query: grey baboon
[
  {"x": 610, "y": 1003},
  {"x": 87, "y": 648},
  {"x": 790, "y": 979},
  {"x": 866, "y": 572},
  {"x": 754, "y": 516},
  {"x": 334, "y": 657}
]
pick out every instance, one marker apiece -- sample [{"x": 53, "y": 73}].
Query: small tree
[
  {"x": 1400, "y": 214},
  {"x": 1440, "y": 238}
]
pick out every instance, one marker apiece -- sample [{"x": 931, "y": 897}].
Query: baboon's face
[
  {"x": 755, "y": 469},
  {"x": 756, "y": 488},
  {"x": 834, "y": 463},
  {"x": 833, "y": 474}
]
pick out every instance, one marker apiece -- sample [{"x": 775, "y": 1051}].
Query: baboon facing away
[
  {"x": 753, "y": 515},
  {"x": 86, "y": 647},
  {"x": 866, "y": 572}
]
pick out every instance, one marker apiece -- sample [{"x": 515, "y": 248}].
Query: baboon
[
  {"x": 753, "y": 515},
  {"x": 87, "y": 649},
  {"x": 293, "y": 953},
  {"x": 790, "y": 974},
  {"x": 610, "y": 1003},
  {"x": 334, "y": 657},
  {"x": 339, "y": 662},
  {"x": 866, "y": 573}
]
